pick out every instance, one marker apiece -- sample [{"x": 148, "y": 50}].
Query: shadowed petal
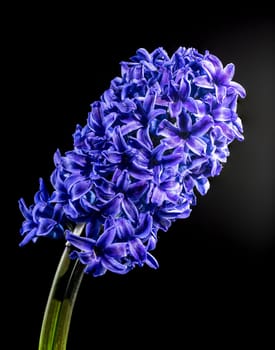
[
  {"x": 126, "y": 106},
  {"x": 185, "y": 122},
  {"x": 144, "y": 137},
  {"x": 130, "y": 127},
  {"x": 116, "y": 250},
  {"x": 113, "y": 156},
  {"x": 137, "y": 250},
  {"x": 175, "y": 108},
  {"x": 59, "y": 197},
  {"x": 82, "y": 243},
  {"x": 96, "y": 268},
  {"x": 93, "y": 229},
  {"x": 167, "y": 129},
  {"x": 71, "y": 211},
  {"x": 113, "y": 265},
  {"x": 85, "y": 257},
  {"x": 119, "y": 141},
  {"x": 45, "y": 226},
  {"x": 171, "y": 159},
  {"x": 202, "y": 126},
  {"x": 149, "y": 101},
  {"x": 130, "y": 209},
  {"x": 137, "y": 189},
  {"x": 79, "y": 189},
  {"x": 191, "y": 105},
  {"x": 145, "y": 227},
  {"x": 140, "y": 172},
  {"x": 184, "y": 89},
  {"x": 123, "y": 181},
  {"x": 124, "y": 229},
  {"x": 113, "y": 206},
  {"x": 106, "y": 238}
]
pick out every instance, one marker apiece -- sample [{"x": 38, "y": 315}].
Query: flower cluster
[{"x": 158, "y": 133}]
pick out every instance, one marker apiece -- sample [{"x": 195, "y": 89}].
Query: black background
[{"x": 216, "y": 267}]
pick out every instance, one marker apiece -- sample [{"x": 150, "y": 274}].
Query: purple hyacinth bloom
[
  {"x": 42, "y": 218},
  {"x": 151, "y": 142}
]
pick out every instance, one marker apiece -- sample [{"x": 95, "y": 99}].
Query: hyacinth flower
[{"x": 150, "y": 145}]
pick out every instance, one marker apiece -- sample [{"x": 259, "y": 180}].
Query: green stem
[{"x": 61, "y": 300}]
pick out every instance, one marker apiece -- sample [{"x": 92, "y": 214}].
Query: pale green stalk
[{"x": 61, "y": 300}]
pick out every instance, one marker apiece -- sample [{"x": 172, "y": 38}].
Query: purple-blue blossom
[{"x": 151, "y": 143}]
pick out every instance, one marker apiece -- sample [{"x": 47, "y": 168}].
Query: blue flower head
[{"x": 154, "y": 138}]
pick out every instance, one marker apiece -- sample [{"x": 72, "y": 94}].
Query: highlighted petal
[
  {"x": 151, "y": 261},
  {"x": 237, "y": 87},
  {"x": 203, "y": 81},
  {"x": 197, "y": 145}
]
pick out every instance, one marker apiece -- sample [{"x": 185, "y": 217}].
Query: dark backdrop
[{"x": 216, "y": 270}]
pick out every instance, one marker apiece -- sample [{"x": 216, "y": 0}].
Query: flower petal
[
  {"x": 117, "y": 250},
  {"x": 151, "y": 261},
  {"x": 145, "y": 227},
  {"x": 185, "y": 123},
  {"x": 31, "y": 236},
  {"x": 45, "y": 226},
  {"x": 191, "y": 105},
  {"x": 202, "y": 126},
  {"x": 137, "y": 250},
  {"x": 130, "y": 210},
  {"x": 222, "y": 114},
  {"x": 140, "y": 172},
  {"x": 106, "y": 238},
  {"x": 112, "y": 207},
  {"x": 113, "y": 157},
  {"x": 238, "y": 88},
  {"x": 228, "y": 72},
  {"x": 196, "y": 145},
  {"x": 202, "y": 185},
  {"x": 167, "y": 129},
  {"x": 24, "y": 209},
  {"x": 209, "y": 67},
  {"x": 82, "y": 243},
  {"x": 124, "y": 228},
  {"x": 80, "y": 188},
  {"x": 137, "y": 189},
  {"x": 113, "y": 265},
  {"x": 118, "y": 140},
  {"x": 220, "y": 92},
  {"x": 203, "y": 81},
  {"x": 123, "y": 181},
  {"x": 158, "y": 196}
]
